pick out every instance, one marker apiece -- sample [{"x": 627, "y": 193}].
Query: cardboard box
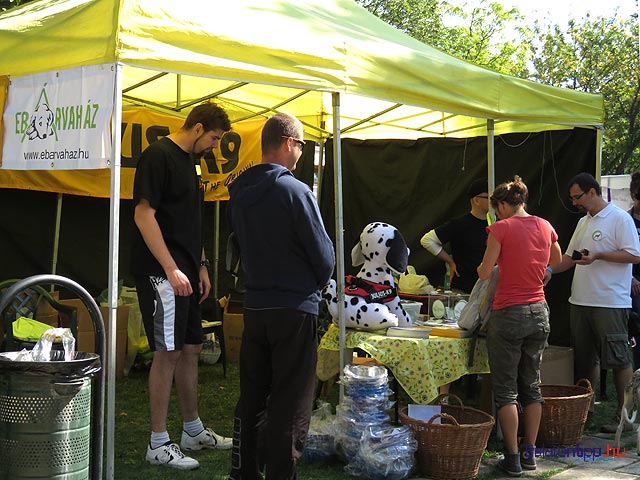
[
  {"x": 557, "y": 366},
  {"x": 86, "y": 335},
  {"x": 232, "y": 326},
  {"x": 48, "y": 314}
]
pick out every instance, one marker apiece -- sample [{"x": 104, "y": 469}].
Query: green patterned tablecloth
[{"x": 419, "y": 365}]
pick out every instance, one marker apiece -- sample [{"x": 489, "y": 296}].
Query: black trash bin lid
[{"x": 81, "y": 364}]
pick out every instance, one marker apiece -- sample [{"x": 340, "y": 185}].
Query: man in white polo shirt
[{"x": 603, "y": 248}]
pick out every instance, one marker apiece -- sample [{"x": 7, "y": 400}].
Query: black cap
[{"x": 477, "y": 187}]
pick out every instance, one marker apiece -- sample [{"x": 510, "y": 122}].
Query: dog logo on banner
[{"x": 41, "y": 123}]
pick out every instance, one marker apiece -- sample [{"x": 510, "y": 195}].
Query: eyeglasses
[
  {"x": 576, "y": 197},
  {"x": 302, "y": 143}
]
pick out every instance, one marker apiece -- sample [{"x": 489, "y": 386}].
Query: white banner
[{"x": 59, "y": 120}]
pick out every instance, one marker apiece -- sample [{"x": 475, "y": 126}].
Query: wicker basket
[
  {"x": 564, "y": 413},
  {"x": 453, "y": 448}
]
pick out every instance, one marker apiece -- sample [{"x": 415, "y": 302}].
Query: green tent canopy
[{"x": 258, "y": 56}]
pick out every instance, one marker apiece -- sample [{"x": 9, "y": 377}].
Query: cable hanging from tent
[
  {"x": 464, "y": 154},
  {"x": 555, "y": 178},
  {"x": 514, "y": 146}
]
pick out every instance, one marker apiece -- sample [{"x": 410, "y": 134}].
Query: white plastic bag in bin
[{"x": 42, "y": 350}]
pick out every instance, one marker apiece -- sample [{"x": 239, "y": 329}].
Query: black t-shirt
[
  {"x": 166, "y": 177},
  {"x": 467, "y": 236}
]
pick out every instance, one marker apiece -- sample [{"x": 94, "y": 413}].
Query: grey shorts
[
  {"x": 516, "y": 338},
  {"x": 599, "y": 337}
]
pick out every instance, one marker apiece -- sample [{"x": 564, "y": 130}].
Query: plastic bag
[
  {"x": 385, "y": 452},
  {"x": 476, "y": 312},
  {"x": 320, "y": 439},
  {"x": 413, "y": 283},
  {"x": 42, "y": 350}
]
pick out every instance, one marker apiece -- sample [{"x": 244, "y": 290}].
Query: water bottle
[{"x": 447, "y": 278}]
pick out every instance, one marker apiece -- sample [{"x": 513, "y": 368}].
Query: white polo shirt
[{"x": 603, "y": 283}]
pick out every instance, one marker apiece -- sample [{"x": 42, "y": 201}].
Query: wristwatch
[{"x": 205, "y": 263}]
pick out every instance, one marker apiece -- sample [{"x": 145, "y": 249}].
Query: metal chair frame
[{"x": 25, "y": 304}]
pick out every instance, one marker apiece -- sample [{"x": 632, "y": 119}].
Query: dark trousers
[{"x": 278, "y": 358}]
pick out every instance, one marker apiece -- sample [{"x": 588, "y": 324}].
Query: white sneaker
[
  {"x": 171, "y": 456},
  {"x": 207, "y": 438}
]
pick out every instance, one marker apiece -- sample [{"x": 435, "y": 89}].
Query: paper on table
[{"x": 424, "y": 412}]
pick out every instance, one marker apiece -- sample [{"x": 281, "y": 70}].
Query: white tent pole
[
  {"x": 599, "y": 132},
  {"x": 56, "y": 237},
  {"x": 114, "y": 229},
  {"x": 216, "y": 250},
  {"x": 337, "y": 187},
  {"x": 321, "y": 145},
  {"x": 491, "y": 167}
]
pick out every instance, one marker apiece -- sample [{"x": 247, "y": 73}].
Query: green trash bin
[{"x": 45, "y": 416}]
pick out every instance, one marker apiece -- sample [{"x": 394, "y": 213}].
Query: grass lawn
[{"x": 218, "y": 396}]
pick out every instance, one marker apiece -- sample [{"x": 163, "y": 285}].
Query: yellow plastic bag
[
  {"x": 28, "y": 329},
  {"x": 413, "y": 283}
]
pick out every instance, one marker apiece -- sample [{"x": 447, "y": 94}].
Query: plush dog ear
[
  {"x": 398, "y": 254},
  {"x": 357, "y": 258}
]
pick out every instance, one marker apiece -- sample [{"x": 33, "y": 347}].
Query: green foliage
[
  {"x": 599, "y": 55},
  {"x": 7, "y": 4},
  {"x": 477, "y": 34}
]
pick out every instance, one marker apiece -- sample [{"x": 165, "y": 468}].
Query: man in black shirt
[
  {"x": 467, "y": 236},
  {"x": 172, "y": 279}
]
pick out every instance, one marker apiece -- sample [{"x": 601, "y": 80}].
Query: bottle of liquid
[{"x": 447, "y": 278}]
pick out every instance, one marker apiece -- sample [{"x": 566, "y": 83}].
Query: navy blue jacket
[{"x": 285, "y": 252}]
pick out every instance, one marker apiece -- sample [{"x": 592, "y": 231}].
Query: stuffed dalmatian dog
[{"x": 371, "y": 297}]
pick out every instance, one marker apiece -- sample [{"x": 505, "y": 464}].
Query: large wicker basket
[
  {"x": 564, "y": 413},
  {"x": 452, "y": 449}
]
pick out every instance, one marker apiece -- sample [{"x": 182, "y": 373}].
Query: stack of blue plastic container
[{"x": 364, "y": 436}]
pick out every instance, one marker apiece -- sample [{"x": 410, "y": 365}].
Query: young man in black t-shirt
[{"x": 172, "y": 279}]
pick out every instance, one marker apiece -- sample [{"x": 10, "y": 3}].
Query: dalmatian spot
[
  {"x": 354, "y": 301},
  {"x": 366, "y": 325},
  {"x": 368, "y": 274},
  {"x": 364, "y": 308},
  {"x": 379, "y": 269}
]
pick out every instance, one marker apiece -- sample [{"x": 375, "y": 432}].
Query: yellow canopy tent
[
  {"x": 340, "y": 69},
  {"x": 255, "y": 56}
]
